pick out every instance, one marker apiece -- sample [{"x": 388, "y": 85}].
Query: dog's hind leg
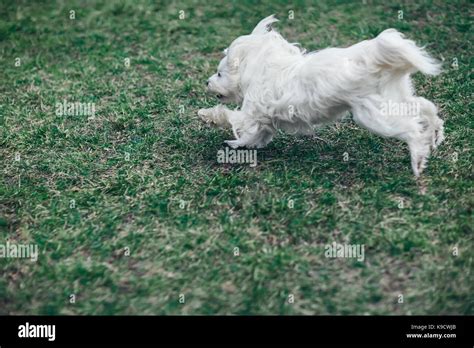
[
  {"x": 430, "y": 112},
  {"x": 415, "y": 130}
]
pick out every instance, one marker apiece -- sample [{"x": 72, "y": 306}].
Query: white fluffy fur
[{"x": 280, "y": 86}]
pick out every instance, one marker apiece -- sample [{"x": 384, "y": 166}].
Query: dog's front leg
[
  {"x": 249, "y": 133},
  {"x": 217, "y": 115}
]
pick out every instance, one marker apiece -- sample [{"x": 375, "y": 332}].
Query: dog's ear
[{"x": 264, "y": 26}]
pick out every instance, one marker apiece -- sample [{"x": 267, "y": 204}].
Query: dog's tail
[{"x": 403, "y": 54}]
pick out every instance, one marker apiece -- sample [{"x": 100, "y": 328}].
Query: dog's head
[{"x": 226, "y": 83}]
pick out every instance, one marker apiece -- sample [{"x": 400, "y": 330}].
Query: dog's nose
[{"x": 207, "y": 83}]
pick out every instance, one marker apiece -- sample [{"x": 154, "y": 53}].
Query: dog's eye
[{"x": 219, "y": 74}]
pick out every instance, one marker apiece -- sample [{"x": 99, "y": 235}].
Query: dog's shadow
[{"x": 341, "y": 157}]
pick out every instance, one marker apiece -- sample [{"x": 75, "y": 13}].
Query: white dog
[{"x": 279, "y": 86}]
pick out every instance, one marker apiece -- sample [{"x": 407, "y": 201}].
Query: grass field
[{"x": 130, "y": 209}]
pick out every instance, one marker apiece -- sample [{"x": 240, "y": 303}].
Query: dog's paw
[
  {"x": 209, "y": 116},
  {"x": 438, "y": 136},
  {"x": 233, "y": 143},
  {"x": 205, "y": 114}
]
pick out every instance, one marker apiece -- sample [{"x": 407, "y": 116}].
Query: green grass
[{"x": 135, "y": 203}]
